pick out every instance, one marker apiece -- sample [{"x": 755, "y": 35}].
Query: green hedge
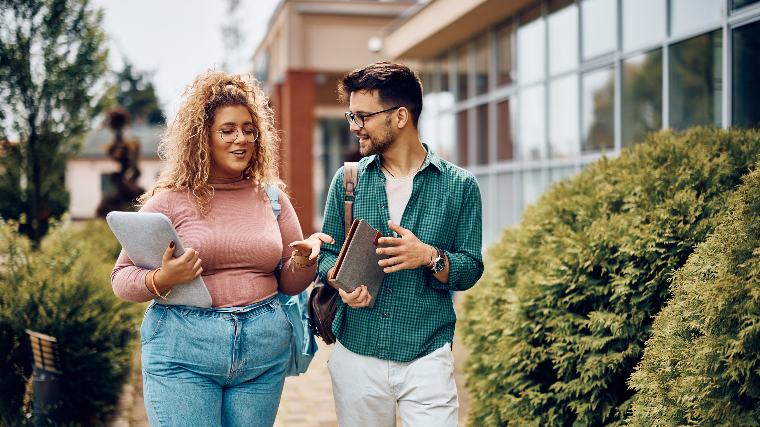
[
  {"x": 702, "y": 364},
  {"x": 64, "y": 290},
  {"x": 559, "y": 321}
]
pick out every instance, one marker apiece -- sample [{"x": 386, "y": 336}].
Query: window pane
[
  {"x": 563, "y": 117},
  {"x": 736, "y": 4},
  {"x": 531, "y": 51},
  {"x": 437, "y": 127},
  {"x": 533, "y": 185},
  {"x": 428, "y": 75},
  {"x": 746, "y": 68},
  {"x": 443, "y": 67},
  {"x": 642, "y": 96},
  {"x": 532, "y": 141},
  {"x": 643, "y": 23},
  {"x": 507, "y": 202},
  {"x": 482, "y": 142},
  {"x": 482, "y": 61},
  {"x": 598, "y": 100},
  {"x": 504, "y": 123},
  {"x": 690, "y": 15},
  {"x": 462, "y": 144},
  {"x": 696, "y": 81},
  {"x": 462, "y": 73},
  {"x": 563, "y": 39},
  {"x": 599, "y": 27},
  {"x": 504, "y": 55}
]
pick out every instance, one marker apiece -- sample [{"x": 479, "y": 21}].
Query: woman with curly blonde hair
[{"x": 223, "y": 365}]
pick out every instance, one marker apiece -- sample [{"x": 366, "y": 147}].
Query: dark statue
[{"x": 124, "y": 181}]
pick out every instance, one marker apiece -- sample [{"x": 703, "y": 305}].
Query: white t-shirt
[{"x": 399, "y": 190}]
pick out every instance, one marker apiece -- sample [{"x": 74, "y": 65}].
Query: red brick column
[{"x": 296, "y": 98}]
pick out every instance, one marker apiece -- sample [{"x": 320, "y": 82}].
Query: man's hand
[
  {"x": 359, "y": 298},
  {"x": 405, "y": 252}
]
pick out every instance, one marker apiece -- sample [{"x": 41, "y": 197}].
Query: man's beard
[{"x": 378, "y": 144}]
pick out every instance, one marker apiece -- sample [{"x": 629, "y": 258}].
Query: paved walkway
[{"x": 306, "y": 401}]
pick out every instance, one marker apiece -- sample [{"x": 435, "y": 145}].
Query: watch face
[{"x": 438, "y": 265}]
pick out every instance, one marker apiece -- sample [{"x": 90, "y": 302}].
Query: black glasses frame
[{"x": 355, "y": 117}]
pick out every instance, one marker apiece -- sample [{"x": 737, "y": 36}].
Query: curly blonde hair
[{"x": 186, "y": 147}]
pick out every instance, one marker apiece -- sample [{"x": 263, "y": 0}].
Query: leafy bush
[
  {"x": 63, "y": 290},
  {"x": 702, "y": 364},
  {"x": 560, "y": 319}
]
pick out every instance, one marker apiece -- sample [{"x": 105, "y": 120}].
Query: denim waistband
[{"x": 249, "y": 310}]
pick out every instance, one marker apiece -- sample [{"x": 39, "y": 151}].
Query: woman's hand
[
  {"x": 309, "y": 247},
  {"x": 174, "y": 271}
]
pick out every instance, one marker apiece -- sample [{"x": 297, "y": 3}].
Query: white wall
[{"x": 83, "y": 181}]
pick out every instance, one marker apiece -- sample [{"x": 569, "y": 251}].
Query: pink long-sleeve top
[{"x": 239, "y": 242}]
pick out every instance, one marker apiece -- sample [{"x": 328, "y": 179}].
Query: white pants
[{"x": 366, "y": 389}]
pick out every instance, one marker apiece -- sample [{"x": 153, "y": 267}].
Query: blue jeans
[{"x": 214, "y": 366}]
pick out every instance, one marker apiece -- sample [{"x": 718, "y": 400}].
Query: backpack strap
[
  {"x": 274, "y": 199},
  {"x": 350, "y": 179}
]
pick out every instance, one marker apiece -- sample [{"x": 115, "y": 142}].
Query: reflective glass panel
[
  {"x": 443, "y": 67},
  {"x": 643, "y": 23},
  {"x": 599, "y": 27},
  {"x": 690, "y": 15},
  {"x": 696, "y": 81},
  {"x": 504, "y": 55},
  {"x": 598, "y": 110},
  {"x": 563, "y": 39},
  {"x": 462, "y": 73},
  {"x": 504, "y": 150},
  {"x": 642, "y": 96},
  {"x": 481, "y": 114},
  {"x": 746, "y": 68},
  {"x": 563, "y": 117},
  {"x": 533, "y": 185},
  {"x": 482, "y": 62},
  {"x": 507, "y": 202},
  {"x": 462, "y": 144},
  {"x": 531, "y": 45},
  {"x": 532, "y": 140},
  {"x": 736, "y": 4},
  {"x": 437, "y": 128}
]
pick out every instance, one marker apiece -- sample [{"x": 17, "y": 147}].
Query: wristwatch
[{"x": 439, "y": 262}]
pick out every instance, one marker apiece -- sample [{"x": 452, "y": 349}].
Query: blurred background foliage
[{"x": 63, "y": 289}]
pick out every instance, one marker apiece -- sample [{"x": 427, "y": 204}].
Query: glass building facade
[{"x": 535, "y": 98}]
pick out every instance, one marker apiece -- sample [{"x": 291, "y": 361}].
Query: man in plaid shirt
[{"x": 399, "y": 351}]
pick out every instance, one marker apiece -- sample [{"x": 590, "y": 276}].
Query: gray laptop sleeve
[{"x": 145, "y": 236}]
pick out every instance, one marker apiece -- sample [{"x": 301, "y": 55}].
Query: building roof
[
  {"x": 438, "y": 25},
  {"x": 97, "y": 140}
]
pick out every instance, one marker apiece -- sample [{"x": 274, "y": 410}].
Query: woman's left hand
[{"x": 311, "y": 245}]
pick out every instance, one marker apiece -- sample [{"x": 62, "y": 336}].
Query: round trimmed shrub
[
  {"x": 559, "y": 320},
  {"x": 702, "y": 364},
  {"x": 63, "y": 289}
]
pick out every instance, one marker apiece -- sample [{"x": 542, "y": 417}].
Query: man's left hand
[{"x": 405, "y": 252}]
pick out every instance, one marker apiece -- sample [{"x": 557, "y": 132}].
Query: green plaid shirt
[{"x": 413, "y": 314}]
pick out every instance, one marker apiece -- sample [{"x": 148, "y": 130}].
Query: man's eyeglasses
[
  {"x": 230, "y": 135},
  {"x": 358, "y": 118}
]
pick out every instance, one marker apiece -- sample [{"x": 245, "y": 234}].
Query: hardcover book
[{"x": 357, "y": 261}]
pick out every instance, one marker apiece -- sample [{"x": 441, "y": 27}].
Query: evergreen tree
[
  {"x": 136, "y": 94},
  {"x": 560, "y": 319},
  {"x": 702, "y": 364},
  {"x": 52, "y": 58}
]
